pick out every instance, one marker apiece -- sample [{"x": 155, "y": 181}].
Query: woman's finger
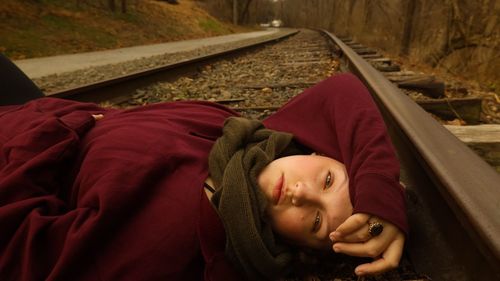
[
  {"x": 389, "y": 260},
  {"x": 371, "y": 248},
  {"x": 359, "y": 235},
  {"x": 349, "y": 226},
  {"x": 97, "y": 116}
]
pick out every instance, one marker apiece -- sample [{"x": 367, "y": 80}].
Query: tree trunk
[
  {"x": 408, "y": 24},
  {"x": 124, "y": 6},
  {"x": 111, "y": 5},
  {"x": 244, "y": 13},
  {"x": 235, "y": 12}
]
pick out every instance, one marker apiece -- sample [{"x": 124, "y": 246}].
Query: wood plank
[
  {"x": 345, "y": 38},
  {"x": 387, "y": 68},
  {"x": 485, "y": 133},
  {"x": 372, "y": 56},
  {"x": 428, "y": 85},
  {"x": 381, "y": 60},
  {"x": 467, "y": 109},
  {"x": 483, "y": 139},
  {"x": 365, "y": 51},
  {"x": 358, "y": 47},
  {"x": 394, "y": 76},
  {"x": 355, "y": 45}
]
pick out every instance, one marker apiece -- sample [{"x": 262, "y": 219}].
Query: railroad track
[{"x": 452, "y": 193}]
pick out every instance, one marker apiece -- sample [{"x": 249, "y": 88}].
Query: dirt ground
[{"x": 43, "y": 28}]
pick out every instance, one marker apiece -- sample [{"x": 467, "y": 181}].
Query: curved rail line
[{"x": 452, "y": 193}]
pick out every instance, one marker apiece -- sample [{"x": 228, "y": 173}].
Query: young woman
[{"x": 123, "y": 197}]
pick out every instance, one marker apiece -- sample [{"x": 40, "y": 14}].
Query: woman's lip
[{"x": 277, "y": 190}]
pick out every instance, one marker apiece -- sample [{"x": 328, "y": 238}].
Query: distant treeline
[
  {"x": 112, "y": 5},
  {"x": 115, "y": 5},
  {"x": 245, "y": 11},
  {"x": 455, "y": 35}
]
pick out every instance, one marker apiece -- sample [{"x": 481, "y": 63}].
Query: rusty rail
[{"x": 453, "y": 195}]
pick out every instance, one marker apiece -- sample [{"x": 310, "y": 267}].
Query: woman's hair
[
  {"x": 313, "y": 264},
  {"x": 235, "y": 161}
]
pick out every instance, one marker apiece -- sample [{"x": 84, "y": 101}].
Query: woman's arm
[{"x": 338, "y": 118}]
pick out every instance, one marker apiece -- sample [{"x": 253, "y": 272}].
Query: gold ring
[{"x": 375, "y": 228}]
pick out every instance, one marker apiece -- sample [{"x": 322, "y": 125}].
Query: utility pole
[{"x": 235, "y": 12}]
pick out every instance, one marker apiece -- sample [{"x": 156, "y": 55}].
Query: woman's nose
[{"x": 302, "y": 194}]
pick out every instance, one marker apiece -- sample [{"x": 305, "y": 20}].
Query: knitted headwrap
[{"x": 235, "y": 161}]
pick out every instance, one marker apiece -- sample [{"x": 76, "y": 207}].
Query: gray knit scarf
[{"x": 235, "y": 161}]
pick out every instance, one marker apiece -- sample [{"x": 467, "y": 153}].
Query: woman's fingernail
[
  {"x": 336, "y": 248},
  {"x": 359, "y": 271},
  {"x": 332, "y": 238}
]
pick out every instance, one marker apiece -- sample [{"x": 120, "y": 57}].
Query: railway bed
[{"x": 451, "y": 191}]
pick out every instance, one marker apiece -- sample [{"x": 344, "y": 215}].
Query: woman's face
[{"x": 308, "y": 198}]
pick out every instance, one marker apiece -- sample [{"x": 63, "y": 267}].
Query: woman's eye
[
  {"x": 317, "y": 221},
  {"x": 328, "y": 180}
]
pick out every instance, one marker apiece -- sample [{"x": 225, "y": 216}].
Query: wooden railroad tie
[
  {"x": 381, "y": 60},
  {"x": 365, "y": 51},
  {"x": 354, "y": 45},
  {"x": 483, "y": 139},
  {"x": 371, "y": 56},
  {"x": 466, "y": 109},
  {"x": 426, "y": 84},
  {"x": 387, "y": 68}
]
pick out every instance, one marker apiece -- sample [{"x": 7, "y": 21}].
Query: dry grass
[{"x": 30, "y": 29}]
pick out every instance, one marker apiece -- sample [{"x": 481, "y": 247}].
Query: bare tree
[
  {"x": 112, "y": 5},
  {"x": 408, "y": 24},
  {"x": 124, "y": 6},
  {"x": 235, "y": 11},
  {"x": 244, "y": 11},
  {"x": 79, "y": 2}
]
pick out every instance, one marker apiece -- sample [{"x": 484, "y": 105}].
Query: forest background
[{"x": 460, "y": 37}]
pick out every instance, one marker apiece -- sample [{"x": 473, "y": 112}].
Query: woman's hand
[
  {"x": 353, "y": 238},
  {"x": 97, "y": 117}
]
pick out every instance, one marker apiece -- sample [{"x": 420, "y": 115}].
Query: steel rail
[
  {"x": 453, "y": 195},
  {"x": 126, "y": 85}
]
